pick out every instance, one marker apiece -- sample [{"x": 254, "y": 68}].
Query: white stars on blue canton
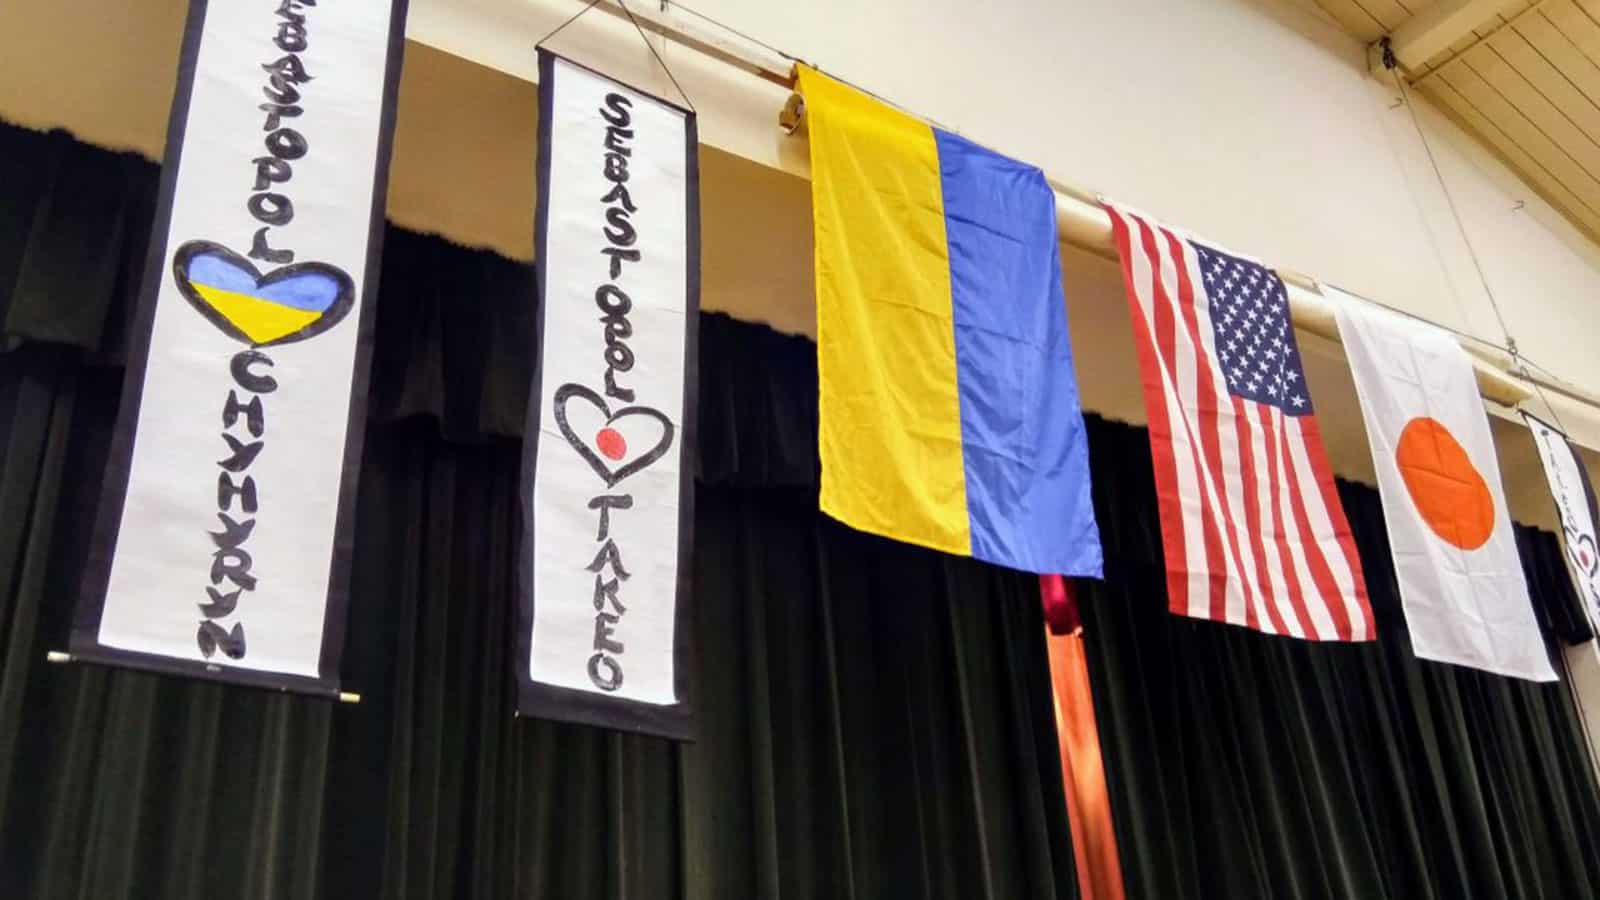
[{"x": 1254, "y": 340}]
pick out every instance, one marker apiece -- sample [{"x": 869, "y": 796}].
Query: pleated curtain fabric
[
  {"x": 876, "y": 718},
  {"x": 1247, "y": 767}
]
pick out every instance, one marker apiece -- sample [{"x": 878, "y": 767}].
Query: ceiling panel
[
  {"x": 1548, "y": 184},
  {"x": 1368, "y": 19},
  {"x": 1525, "y": 80},
  {"x": 1508, "y": 13}
]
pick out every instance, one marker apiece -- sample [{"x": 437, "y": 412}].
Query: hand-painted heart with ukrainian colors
[{"x": 285, "y": 305}]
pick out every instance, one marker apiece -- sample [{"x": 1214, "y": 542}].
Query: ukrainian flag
[{"x": 949, "y": 412}]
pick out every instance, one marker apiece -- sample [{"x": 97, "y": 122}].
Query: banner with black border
[
  {"x": 222, "y": 546},
  {"x": 608, "y": 474},
  {"x": 1576, "y": 508}
]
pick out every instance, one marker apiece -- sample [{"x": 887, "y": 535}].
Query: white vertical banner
[
  {"x": 222, "y": 546},
  {"x": 1455, "y": 556},
  {"x": 1574, "y": 498},
  {"x": 608, "y": 467}
]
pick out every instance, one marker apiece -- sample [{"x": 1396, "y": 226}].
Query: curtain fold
[
  {"x": 1248, "y": 767},
  {"x": 874, "y": 719}
]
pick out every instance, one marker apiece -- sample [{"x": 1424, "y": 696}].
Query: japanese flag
[{"x": 1461, "y": 582}]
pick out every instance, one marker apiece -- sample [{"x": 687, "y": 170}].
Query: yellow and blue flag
[{"x": 949, "y": 412}]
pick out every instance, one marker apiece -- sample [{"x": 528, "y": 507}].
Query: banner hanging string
[
  {"x": 636, "y": 27},
  {"x": 1518, "y": 364},
  {"x": 1461, "y": 227},
  {"x": 559, "y": 28}
]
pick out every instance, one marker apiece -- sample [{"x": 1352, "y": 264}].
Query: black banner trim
[
  {"x": 674, "y": 721},
  {"x": 1588, "y": 495},
  {"x": 84, "y": 638}
]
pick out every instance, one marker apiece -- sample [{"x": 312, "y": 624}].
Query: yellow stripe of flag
[{"x": 890, "y": 424}]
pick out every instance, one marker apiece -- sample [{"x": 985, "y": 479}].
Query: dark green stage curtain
[
  {"x": 1241, "y": 765},
  {"x": 874, "y": 719},
  {"x": 873, "y": 716}
]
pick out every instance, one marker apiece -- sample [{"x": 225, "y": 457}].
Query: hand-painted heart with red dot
[
  {"x": 616, "y": 444},
  {"x": 1583, "y": 547}
]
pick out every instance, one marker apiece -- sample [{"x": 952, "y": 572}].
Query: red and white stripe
[{"x": 1251, "y": 524}]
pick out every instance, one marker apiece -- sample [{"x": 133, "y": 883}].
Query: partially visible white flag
[{"x": 1461, "y": 581}]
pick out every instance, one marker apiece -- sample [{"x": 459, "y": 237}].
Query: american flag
[{"x": 1251, "y": 524}]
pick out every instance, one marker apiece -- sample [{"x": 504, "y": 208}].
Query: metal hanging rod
[{"x": 1080, "y": 219}]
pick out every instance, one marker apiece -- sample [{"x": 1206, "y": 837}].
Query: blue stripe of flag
[{"x": 1025, "y": 453}]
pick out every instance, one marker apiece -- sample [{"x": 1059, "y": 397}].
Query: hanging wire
[
  {"x": 1444, "y": 187},
  {"x": 664, "y": 67},
  {"x": 570, "y": 19},
  {"x": 1544, "y": 399},
  {"x": 736, "y": 32},
  {"x": 637, "y": 27},
  {"x": 1518, "y": 362},
  {"x": 801, "y": 60},
  {"x": 1411, "y": 315},
  {"x": 796, "y": 59},
  {"x": 1509, "y": 348}
]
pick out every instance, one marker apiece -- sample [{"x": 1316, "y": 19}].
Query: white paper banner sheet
[
  {"x": 1575, "y": 505},
  {"x": 223, "y": 540},
  {"x": 608, "y": 480}
]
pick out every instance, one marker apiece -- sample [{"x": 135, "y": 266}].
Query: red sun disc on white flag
[{"x": 1446, "y": 489}]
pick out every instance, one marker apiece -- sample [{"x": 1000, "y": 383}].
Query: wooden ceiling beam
[{"x": 1432, "y": 31}]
